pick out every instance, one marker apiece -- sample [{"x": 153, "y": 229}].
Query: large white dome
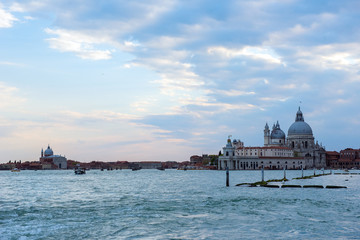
[{"x": 299, "y": 127}]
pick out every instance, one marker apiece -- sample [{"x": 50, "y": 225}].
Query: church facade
[
  {"x": 48, "y": 156},
  {"x": 297, "y": 150}
]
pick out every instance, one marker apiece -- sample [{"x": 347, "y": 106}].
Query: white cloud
[
  {"x": 275, "y": 99},
  {"x": 6, "y": 18},
  {"x": 31, "y": 5},
  {"x": 234, "y": 92},
  {"x": 288, "y": 36},
  {"x": 259, "y": 53},
  {"x": 9, "y": 96},
  {"x": 82, "y": 44},
  {"x": 103, "y": 115},
  {"x": 166, "y": 42},
  {"x": 345, "y": 57},
  {"x": 29, "y": 18},
  {"x": 176, "y": 76},
  {"x": 10, "y": 63}
]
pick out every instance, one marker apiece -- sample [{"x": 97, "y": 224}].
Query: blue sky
[{"x": 164, "y": 80}]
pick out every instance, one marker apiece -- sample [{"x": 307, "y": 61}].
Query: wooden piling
[{"x": 227, "y": 176}]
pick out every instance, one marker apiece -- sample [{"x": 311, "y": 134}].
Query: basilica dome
[
  {"x": 277, "y": 133},
  {"x": 299, "y": 127},
  {"x": 48, "y": 152}
]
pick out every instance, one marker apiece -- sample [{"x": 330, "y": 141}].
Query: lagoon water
[{"x": 172, "y": 204}]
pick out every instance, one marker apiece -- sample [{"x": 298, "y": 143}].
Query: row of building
[
  {"x": 48, "y": 160},
  {"x": 296, "y": 151}
]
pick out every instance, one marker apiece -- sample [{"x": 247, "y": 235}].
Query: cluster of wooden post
[{"x": 262, "y": 174}]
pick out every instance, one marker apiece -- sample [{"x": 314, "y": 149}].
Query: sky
[{"x": 163, "y": 80}]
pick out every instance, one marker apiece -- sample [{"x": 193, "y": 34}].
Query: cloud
[
  {"x": 81, "y": 44},
  {"x": 9, "y": 97},
  {"x": 6, "y": 18},
  {"x": 210, "y": 69},
  {"x": 100, "y": 115},
  {"x": 233, "y": 92},
  {"x": 258, "y": 53},
  {"x": 274, "y": 99},
  {"x": 10, "y": 63}
]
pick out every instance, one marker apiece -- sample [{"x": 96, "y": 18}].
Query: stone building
[
  {"x": 348, "y": 158},
  {"x": 296, "y": 151},
  {"x": 48, "y": 156},
  {"x": 301, "y": 140}
]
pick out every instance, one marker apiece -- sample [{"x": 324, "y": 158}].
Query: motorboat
[
  {"x": 15, "y": 170},
  {"x": 79, "y": 170}
]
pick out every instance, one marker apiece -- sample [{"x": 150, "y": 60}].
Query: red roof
[{"x": 285, "y": 148}]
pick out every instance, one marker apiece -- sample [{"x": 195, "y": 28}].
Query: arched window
[{"x": 227, "y": 153}]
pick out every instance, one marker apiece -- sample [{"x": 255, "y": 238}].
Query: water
[{"x": 171, "y": 204}]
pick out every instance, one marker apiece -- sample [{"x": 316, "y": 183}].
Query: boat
[
  {"x": 135, "y": 168},
  {"x": 15, "y": 170},
  {"x": 161, "y": 168},
  {"x": 79, "y": 170}
]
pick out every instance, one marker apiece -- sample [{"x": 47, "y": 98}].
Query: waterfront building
[
  {"x": 332, "y": 159},
  {"x": 149, "y": 164},
  {"x": 48, "y": 156},
  {"x": 301, "y": 140},
  {"x": 296, "y": 151},
  {"x": 347, "y": 158},
  {"x": 238, "y": 157}
]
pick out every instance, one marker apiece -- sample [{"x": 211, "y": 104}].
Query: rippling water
[{"x": 171, "y": 204}]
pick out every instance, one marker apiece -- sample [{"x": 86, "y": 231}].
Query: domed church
[
  {"x": 275, "y": 138},
  {"x": 48, "y": 156},
  {"x": 300, "y": 138}
]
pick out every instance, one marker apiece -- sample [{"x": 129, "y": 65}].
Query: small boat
[
  {"x": 135, "y": 168},
  {"x": 161, "y": 168},
  {"x": 15, "y": 170},
  {"x": 79, "y": 170}
]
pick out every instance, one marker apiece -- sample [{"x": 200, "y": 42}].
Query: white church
[
  {"x": 297, "y": 151},
  {"x": 49, "y": 157}
]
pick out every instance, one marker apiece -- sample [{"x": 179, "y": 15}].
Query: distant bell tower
[
  {"x": 42, "y": 152},
  {"x": 266, "y": 135},
  {"x": 229, "y": 149}
]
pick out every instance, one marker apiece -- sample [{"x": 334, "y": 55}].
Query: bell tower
[{"x": 266, "y": 135}]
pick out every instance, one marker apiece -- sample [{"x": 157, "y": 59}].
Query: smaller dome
[
  {"x": 48, "y": 152},
  {"x": 277, "y": 134}
]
